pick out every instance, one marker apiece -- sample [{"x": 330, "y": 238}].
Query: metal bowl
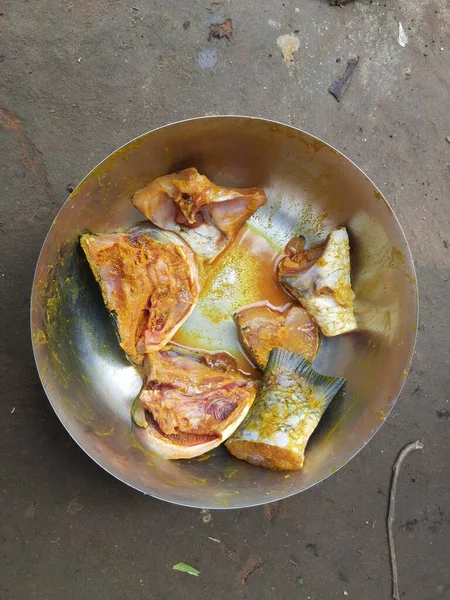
[{"x": 311, "y": 188}]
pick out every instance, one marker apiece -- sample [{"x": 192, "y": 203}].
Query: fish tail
[
  {"x": 282, "y": 361},
  {"x": 328, "y": 386}
]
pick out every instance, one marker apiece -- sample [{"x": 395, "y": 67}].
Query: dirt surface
[{"x": 80, "y": 78}]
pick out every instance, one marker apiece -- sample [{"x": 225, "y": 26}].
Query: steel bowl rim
[{"x": 274, "y": 498}]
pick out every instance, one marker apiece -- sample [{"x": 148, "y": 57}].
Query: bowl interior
[{"x": 311, "y": 189}]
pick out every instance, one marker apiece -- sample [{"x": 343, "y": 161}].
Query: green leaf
[{"x": 181, "y": 566}]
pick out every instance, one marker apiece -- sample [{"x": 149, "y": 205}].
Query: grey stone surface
[{"x": 82, "y": 77}]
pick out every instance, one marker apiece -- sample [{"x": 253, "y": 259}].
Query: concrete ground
[{"x": 82, "y": 77}]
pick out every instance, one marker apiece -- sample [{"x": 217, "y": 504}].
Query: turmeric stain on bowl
[
  {"x": 243, "y": 275},
  {"x": 231, "y": 473},
  {"x": 204, "y": 457}
]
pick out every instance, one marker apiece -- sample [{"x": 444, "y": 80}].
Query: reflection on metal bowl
[{"x": 311, "y": 189}]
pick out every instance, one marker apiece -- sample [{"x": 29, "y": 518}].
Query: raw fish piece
[
  {"x": 260, "y": 329},
  {"x": 150, "y": 282},
  {"x": 320, "y": 280},
  {"x": 205, "y": 215},
  {"x": 287, "y": 409},
  {"x": 192, "y": 401}
]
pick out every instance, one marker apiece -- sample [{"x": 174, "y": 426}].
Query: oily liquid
[{"x": 243, "y": 275}]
